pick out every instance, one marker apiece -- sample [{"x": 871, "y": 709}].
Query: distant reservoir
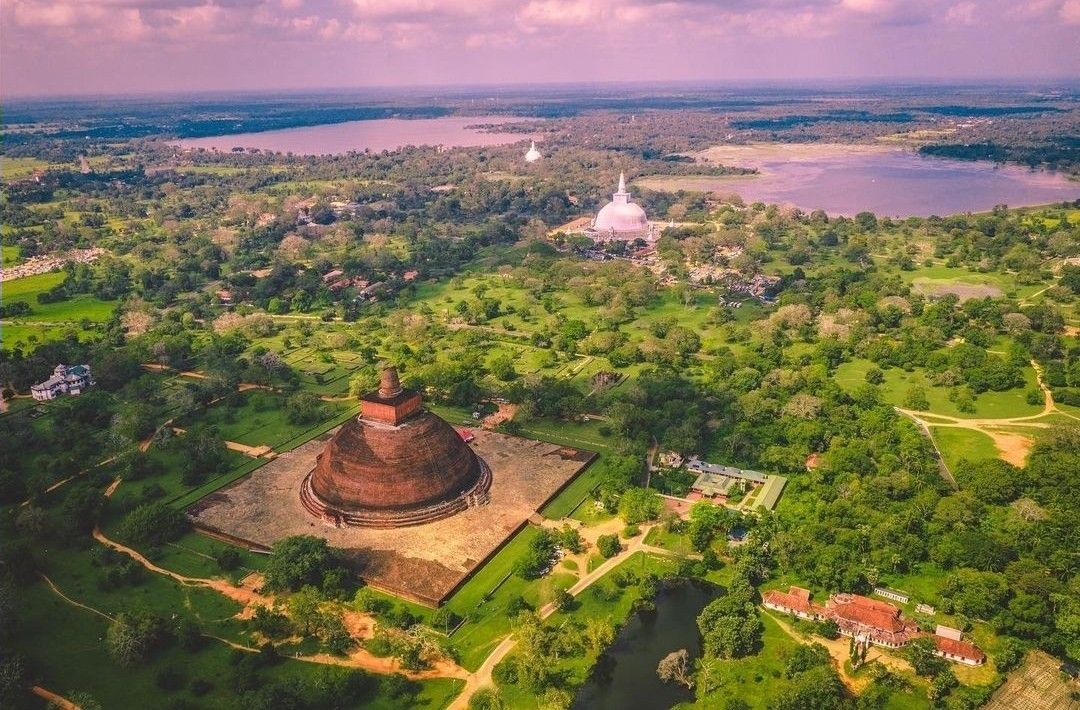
[
  {"x": 886, "y": 180},
  {"x": 375, "y": 135}
]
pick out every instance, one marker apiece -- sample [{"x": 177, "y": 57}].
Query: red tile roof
[
  {"x": 868, "y": 612},
  {"x": 797, "y": 599},
  {"x": 963, "y": 649}
]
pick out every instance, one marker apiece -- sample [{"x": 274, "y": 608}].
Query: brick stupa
[{"x": 396, "y": 464}]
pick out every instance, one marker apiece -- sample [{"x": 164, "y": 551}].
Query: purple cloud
[{"x": 49, "y": 46}]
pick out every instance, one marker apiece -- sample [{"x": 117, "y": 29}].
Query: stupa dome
[
  {"x": 621, "y": 217},
  {"x": 396, "y": 464},
  {"x": 532, "y": 155}
]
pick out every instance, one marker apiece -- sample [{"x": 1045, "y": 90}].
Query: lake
[
  {"x": 848, "y": 179},
  {"x": 625, "y": 676},
  {"x": 375, "y": 135}
]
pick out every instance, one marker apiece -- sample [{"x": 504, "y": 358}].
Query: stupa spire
[
  {"x": 622, "y": 182},
  {"x": 389, "y": 384}
]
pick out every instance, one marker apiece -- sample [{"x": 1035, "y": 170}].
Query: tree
[
  {"x": 154, "y": 524},
  {"x": 638, "y": 505},
  {"x": 675, "y": 667},
  {"x": 816, "y": 689},
  {"x": 298, "y": 560},
  {"x": 538, "y": 558},
  {"x": 915, "y": 398},
  {"x": 304, "y": 408},
  {"x": 486, "y": 698},
  {"x": 131, "y": 637},
  {"x": 608, "y": 545}
]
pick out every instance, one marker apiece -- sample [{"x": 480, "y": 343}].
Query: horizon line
[{"x": 1013, "y": 81}]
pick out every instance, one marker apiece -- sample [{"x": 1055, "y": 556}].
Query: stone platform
[{"x": 424, "y": 563}]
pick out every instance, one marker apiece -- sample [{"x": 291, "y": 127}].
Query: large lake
[
  {"x": 376, "y": 135},
  {"x": 846, "y": 180}
]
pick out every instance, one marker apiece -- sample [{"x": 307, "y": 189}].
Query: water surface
[
  {"x": 846, "y": 180},
  {"x": 375, "y": 135},
  {"x": 625, "y": 676}
]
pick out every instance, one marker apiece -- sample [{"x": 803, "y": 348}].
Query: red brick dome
[{"x": 397, "y": 464}]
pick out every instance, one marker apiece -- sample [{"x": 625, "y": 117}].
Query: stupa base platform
[
  {"x": 478, "y": 495},
  {"x": 423, "y": 562}
]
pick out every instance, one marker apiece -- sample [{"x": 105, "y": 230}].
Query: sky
[{"x": 52, "y": 47}]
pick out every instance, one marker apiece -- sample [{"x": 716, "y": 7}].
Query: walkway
[{"x": 482, "y": 677}]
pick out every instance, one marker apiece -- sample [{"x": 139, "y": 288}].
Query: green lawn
[
  {"x": 958, "y": 444},
  {"x": 489, "y": 620},
  {"x": 49, "y": 321},
  {"x": 257, "y": 418},
  {"x": 988, "y": 405},
  {"x": 10, "y": 255}
]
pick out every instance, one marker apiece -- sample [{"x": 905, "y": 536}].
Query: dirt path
[
  {"x": 72, "y": 602},
  {"x": 482, "y": 677},
  {"x": 254, "y": 452},
  {"x": 55, "y": 700},
  {"x": 1011, "y": 446},
  {"x": 360, "y": 626}
]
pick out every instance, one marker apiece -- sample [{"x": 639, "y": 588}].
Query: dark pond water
[
  {"x": 376, "y": 135},
  {"x": 625, "y": 677}
]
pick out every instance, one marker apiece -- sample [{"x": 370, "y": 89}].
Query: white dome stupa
[
  {"x": 621, "y": 218},
  {"x": 532, "y": 155}
]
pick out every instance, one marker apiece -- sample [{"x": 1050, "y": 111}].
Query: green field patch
[
  {"x": 255, "y": 418},
  {"x": 988, "y": 405}
]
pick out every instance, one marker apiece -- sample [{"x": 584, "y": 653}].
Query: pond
[
  {"x": 886, "y": 180},
  {"x": 375, "y": 135},
  {"x": 625, "y": 676}
]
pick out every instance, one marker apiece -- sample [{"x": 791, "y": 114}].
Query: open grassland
[
  {"x": 957, "y": 445},
  {"x": 10, "y": 255},
  {"x": 20, "y": 168},
  {"x": 988, "y": 405},
  {"x": 49, "y": 321},
  {"x": 940, "y": 279},
  {"x": 256, "y": 418}
]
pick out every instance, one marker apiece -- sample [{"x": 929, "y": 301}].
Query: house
[
  {"x": 894, "y": 594},
  {"x": 466, "y": 435},
  {"x": 959, "y": 651},
  {"x": 66, "y": 379},
  {"x": 698, "y": 466},
  {"x": 671, "y": 459},
  {"x": 879, "y": 623},
  {"x": 795, "y": 601},
  {"x": 871, "y": 621}
]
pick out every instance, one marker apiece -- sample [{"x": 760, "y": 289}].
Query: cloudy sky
[{"x": 110, "y": 46}]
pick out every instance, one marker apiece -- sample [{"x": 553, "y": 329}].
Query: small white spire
[{"x": 622, "y": 182}]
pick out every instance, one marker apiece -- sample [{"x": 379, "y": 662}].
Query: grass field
[
  {"x": 480, "y": 599},
  {"x": 256, "y": 418},
  {"x": 988, "y": 405},
  {"x": 19, "y": 168},
  {"x": 10, "y": 255},
  {"x": 959, "y": 444},
  {"x": 49, "y": 321}
]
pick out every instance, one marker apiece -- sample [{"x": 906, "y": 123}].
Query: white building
[
  {"x": 66, "y": 379},
  {"x": 532, "y": 155},
  {"x": 621, "y": 219}
]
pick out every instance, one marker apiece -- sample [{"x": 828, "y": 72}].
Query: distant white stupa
[{"x": 533, "y": 154}]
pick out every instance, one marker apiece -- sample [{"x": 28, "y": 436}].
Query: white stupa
[
  {"x": 533, "y": 154},
  {"x": 621, "y": 218}
]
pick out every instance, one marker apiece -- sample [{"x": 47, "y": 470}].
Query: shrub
[
  {"x": 153, "y": 524},
  {"x": 608, "y": 545},
  {"x": 228, "y": 559}
]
